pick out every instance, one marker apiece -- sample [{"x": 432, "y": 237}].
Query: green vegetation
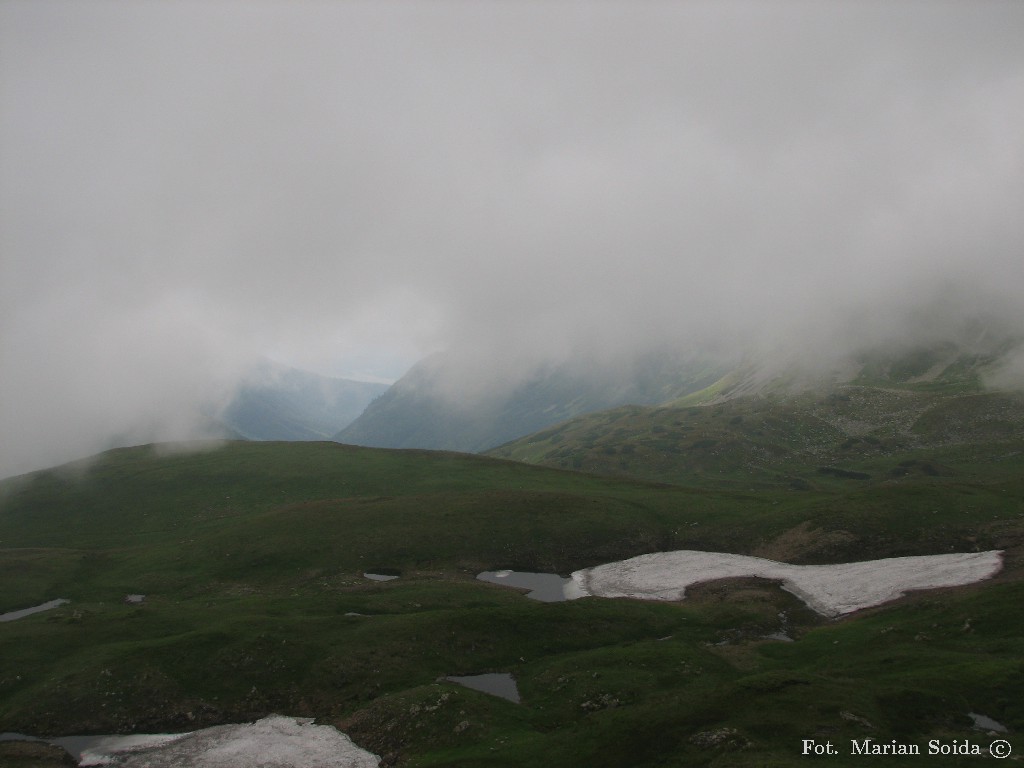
[
  {"x": 801, "y": 440},
  {"x": 251, "y": 557}
]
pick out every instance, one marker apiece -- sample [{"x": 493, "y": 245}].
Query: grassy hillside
[
  {"x": 420, "y": 411},
  {"x": 800, "y": 440},
  {"x": 251, "y": 558}
]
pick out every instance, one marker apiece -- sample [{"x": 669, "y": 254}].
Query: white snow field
[
  {"x": 273, "y": 742},
  {"x": 831, "y": 590}
]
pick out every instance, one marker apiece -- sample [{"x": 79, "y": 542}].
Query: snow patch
[
  {"x": 831, "y": 590},
  {"x": 14, "y": 615},
  {"x": 273, "y": 742},
  {"x": 983, "y": 723},
  {"x": 104, "y": 751}
]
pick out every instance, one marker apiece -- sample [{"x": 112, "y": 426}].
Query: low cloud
[{"x": 351, "y": 187}]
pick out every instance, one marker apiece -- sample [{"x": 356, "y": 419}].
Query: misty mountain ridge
[
  {"x": 425, "y": 408},
  {"x": 271, "y": 401},
  {"x": 430, "y": 408},
  {"x": 987, "y": 361},
  {"x": 884, "y": 415},
  {"x": 278, "y": 402},
  {"x": 443, "y": 402}
]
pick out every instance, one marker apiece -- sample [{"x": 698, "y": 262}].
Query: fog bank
[{"x": 350, "y": 187}]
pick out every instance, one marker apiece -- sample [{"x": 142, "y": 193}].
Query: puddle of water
[
  {"x": 500, "y": 684},
  {"x": 546, "y": 587},
  {"x": 29, "y": 611},
  {"x": 378, "y": 577},
  {"x": 76, "y": 746},
  {"x": 10, "y": 736},
  {"x": 986, "y": 723}
]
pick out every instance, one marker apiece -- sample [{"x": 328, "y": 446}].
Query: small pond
[
  {"x": 76, "y": 746},
  {"x": 546, "y": 587},
  {"x": 500, "y": 684},
  {"x": 11, "y": 616},
  {"x": 379, "y": 577}
]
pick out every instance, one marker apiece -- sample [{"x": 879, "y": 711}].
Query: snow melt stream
[{"x": 831, "y": 590}]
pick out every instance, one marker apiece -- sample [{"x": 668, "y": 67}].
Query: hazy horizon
[{"x": 350, "y": 187}]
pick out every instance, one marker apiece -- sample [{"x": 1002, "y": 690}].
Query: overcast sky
[{"x": 347, "y": 186}]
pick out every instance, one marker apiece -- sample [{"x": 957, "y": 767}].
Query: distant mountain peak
[
  {"x": 424, "y": 409},
  {"x": 278, "y": 402}
]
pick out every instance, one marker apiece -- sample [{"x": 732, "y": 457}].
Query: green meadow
[{"x": 251, "y": 558}]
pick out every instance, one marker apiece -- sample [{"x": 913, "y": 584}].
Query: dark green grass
[
  {"x": 800, "y": 441},
  {"x": 603, "y": 682},
  {"x": 267, "y": 513},
  {"x": 251, "y": 559}
]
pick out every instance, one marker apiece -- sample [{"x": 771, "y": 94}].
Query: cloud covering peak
[{"x": 348, "y": 187}]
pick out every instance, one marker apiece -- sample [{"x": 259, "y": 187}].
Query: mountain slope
[
  {"x": 749, "y": 429},
  {"x": 422, "y": 411},
  {"x": 276, "y": 402}
]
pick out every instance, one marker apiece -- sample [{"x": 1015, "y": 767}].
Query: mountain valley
[{"x": 245, "y": 567}]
